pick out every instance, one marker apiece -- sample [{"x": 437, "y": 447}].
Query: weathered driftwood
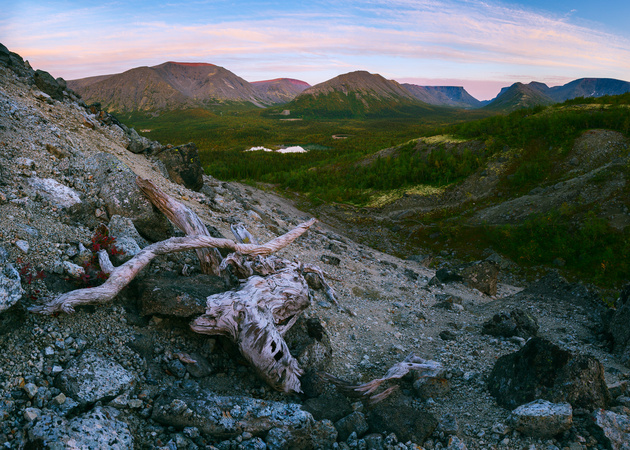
[
  {"x": 256, "y": 318},
  {"x": 424, "y": 368}
]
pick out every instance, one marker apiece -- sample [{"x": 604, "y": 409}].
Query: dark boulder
[
  {"x": 619, "y": 326},
  {"x": 14, "y": 62},
  {"x": 331, "y": 406},
  {"x": 183, "y": 165},
  {"x": 399, "y": 417},
  {"x": 309, "y": 342},
  {"x": 482, "y": 275},
  {"x": 178, "y": 296},
  {"x": 543, "y": 370},
  {"x": 515, "y": 323},
  {"x": 444, "y": 275},
  {"x": 353, "y": 423},
  {"x": 47, "y": 84}
]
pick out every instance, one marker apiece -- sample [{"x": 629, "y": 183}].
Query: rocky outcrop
[
  {"x": 91, "y": 378},
  {"x": 99, "y": 428},
  {"x": 183, "y": 165},
  {"x": 542, "y": 370},
  {"x": 619, "y": 326}
]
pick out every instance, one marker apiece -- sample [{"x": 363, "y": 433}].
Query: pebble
[
  {"x": 22, "y": 245},
  {"x": 32, "y": 414}
]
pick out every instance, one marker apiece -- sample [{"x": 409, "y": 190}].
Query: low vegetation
[{"x": 363, "y": 163}]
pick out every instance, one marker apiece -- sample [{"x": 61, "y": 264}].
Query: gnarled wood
[
  {"x": 122, "y": 275},
  {"x": 256, "y": 317},
  {"x": 425, "y": 368},
  {"x": 184, "y": 219}
]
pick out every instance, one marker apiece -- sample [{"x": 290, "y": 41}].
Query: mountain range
[
  {"x": 521, "y": 95},
  {"x": 178, "y": 85},
  {"x": 175, "y": 85}
]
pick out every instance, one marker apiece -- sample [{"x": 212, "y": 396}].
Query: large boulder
[
  {"x": 10, "y": 283},
  {"x": 225, "y": 417},
  {"x": 47, "y": 84},
  {"x": 99, "y": 428},
  {"x": 515, "y": 323},
  {"x": 92, "y": 377},
  {"x": 123, "y": 197},
  {"x": 542, "y": 419},
  {"x": 543, "y": 370},
  {"x": 399, "y": 417},
  {"x": 54, "y": 192},
  {"x": 183, "y": 165},
  {"x": 178, "y": 296},
  {"x": 482, "y": 275},
  {"x": 615, "y": 428}
]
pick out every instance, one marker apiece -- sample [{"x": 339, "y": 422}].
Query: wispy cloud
[{"x": 466, "y": 39}]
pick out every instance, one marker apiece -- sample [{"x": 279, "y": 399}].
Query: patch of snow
[{"x": 293, "y": 149}]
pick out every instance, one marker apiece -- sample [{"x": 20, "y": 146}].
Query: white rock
[
  {"x": 542, "y": 418},
  {"x": 73, "y": 270},
  {"x": 22, "y": 245},
  {"x": 10, "y": 287},
  {"x": 616, "y": 428},
  {"x": 25, "y": 163},
  {"x": 30, "y": 389},
  {"x": 55, "y": 192},
  {"x": 32, "y": 414}
]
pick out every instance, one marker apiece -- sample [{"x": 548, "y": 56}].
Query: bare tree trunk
[{"x": 184, "y": 219}]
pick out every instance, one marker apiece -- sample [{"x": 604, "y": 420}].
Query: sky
[{"x": 481, "y": 45}]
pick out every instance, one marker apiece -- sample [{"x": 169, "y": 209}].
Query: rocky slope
[
  {"x": 128, "y": 375},
  {"x": 280, "y": 90}
]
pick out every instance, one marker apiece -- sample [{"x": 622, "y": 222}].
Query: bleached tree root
[
  {"x": 256, "y": 318},
  {"x": 423, "y": 367}
]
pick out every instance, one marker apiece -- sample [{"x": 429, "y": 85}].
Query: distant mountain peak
[{"x": 176, "y": 85}]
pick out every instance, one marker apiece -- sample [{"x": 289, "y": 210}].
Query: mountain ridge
[
  {"x": 455, "y": 96},
  {"x": 176, "y": 85}
]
